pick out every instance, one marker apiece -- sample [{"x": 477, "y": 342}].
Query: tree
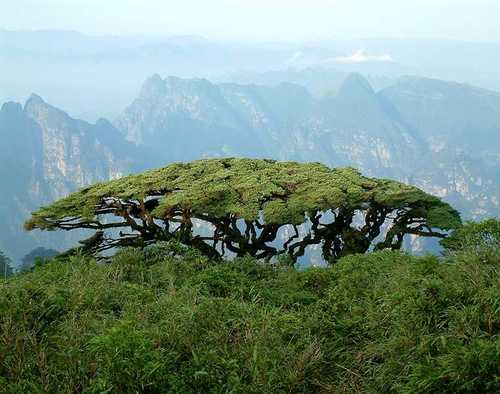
[
  {"x": 39, "y": 254},
  {"x": 484, "y": 235},
  {"x": 6, "y": 269},
  {"x": 262, "y": 208}
]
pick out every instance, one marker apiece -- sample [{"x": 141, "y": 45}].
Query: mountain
[
  {"x": 319, "y": 81},
  {"x": 461, "y": 127},
  {"x": 187, "y": 119},
  {"x": 466, "y": 117},
  {"x": 476, "y": 63},
  {"x": 357, "y": 127},
  {"x": 45, "y": 155},
  {"x": 95, "y": 76},
  {"x": 438, "y": 135}
]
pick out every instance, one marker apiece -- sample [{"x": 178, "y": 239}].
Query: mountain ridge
[
  {"x": 356, "y": 126},
  {"x": 46, "y": 154},
  {"x": 175, "y": 119}
]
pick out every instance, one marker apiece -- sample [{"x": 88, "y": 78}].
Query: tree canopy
[{"x": 263, "y": 208}]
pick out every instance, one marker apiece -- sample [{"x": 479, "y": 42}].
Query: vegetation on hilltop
[
  {"x": 6, "y": 269},
  {"x": 261, "y": 208},
  {"x": 152, "y": 322},
  {"x": 474, "y": 236},
  {"x": 39, "y": 255}
]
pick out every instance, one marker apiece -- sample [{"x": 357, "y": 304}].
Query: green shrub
[
  {"x": 167, "y": 320},
  {"x": 482, "y": 236}
]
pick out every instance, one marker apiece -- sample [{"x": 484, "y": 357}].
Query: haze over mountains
[
  {"x": 249, "y": 196},
  {"x": 45, "y": 155},
  {"x": 438, "y": 135},
  {"x": 95, "y": 76},
  {"x": 441, "y": 136}
]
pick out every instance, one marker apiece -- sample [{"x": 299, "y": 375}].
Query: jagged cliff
[
  {"x": 438, "y": 135},
  {"x": 188, "y": 119},
  {"x": 45, "y": 155}
]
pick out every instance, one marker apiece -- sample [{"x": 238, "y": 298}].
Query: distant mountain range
[
  {"x": 441, "y": 136},
  {"x": 95, "y": 76}
]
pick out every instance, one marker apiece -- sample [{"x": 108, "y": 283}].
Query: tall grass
[{"x": 151, "y": 323}]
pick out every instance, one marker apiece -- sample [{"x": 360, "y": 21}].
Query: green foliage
[
  {"x": 475, "y": 236},
  {"x": 6, "y": 269},
  {"x": 264, "y": 196},
  {"x": 243, "y": 187},
  {"x": 165, "y": 319},
  {"x": 39, "y": 256}
]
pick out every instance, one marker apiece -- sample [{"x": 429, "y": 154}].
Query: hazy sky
[{"x": 269, "y": 20}]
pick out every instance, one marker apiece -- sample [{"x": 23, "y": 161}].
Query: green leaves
[
  {"x": 221, "y": 191},
  {"x": 444, "y": 217},
  {"x": 475, "y": 236},
  {"x": 243, "y": 187},
  {"x": 6, "y": 268},
  {"x": 149, "y": 321}
]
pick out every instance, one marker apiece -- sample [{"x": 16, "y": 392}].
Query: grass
[{"x": 149, "y": 322}]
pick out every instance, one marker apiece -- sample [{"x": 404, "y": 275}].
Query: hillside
[
  {"x": 249, "y": 197},
  {"x": 152, "y": 322}
]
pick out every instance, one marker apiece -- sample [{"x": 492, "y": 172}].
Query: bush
[
  {"x": 482, "y": 236},
  {"x": 164, "y": 320}
]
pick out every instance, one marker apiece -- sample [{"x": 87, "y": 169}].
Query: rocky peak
[
  {"x": 44, "y": 114},
  {"x": 153, "y": 86},
  {"x": 34, "y": 99},
  {"x": 102, "y": 122},
  {"x": 354, "y": 85},
  {"x": 17, "y": 131},
  {"x": 75, "y": 152},
  {"x": 11, "y": 108},
  {"x": 192, "y": 89},
  {"x": 35, "y": 105}
]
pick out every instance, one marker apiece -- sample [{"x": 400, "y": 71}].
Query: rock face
[
  {"x": 187, "y": 119},
  {"x": 440, "y": 136},
  {"x": 74, "y": 152},
  {"x": 45, "y": 155},
  {"x": 460, "y": 126}
]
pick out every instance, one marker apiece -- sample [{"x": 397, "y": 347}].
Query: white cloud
[{"x": 360, "y": 57}]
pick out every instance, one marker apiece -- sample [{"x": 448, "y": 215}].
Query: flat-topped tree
[{"x": 263, "y": 208}]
